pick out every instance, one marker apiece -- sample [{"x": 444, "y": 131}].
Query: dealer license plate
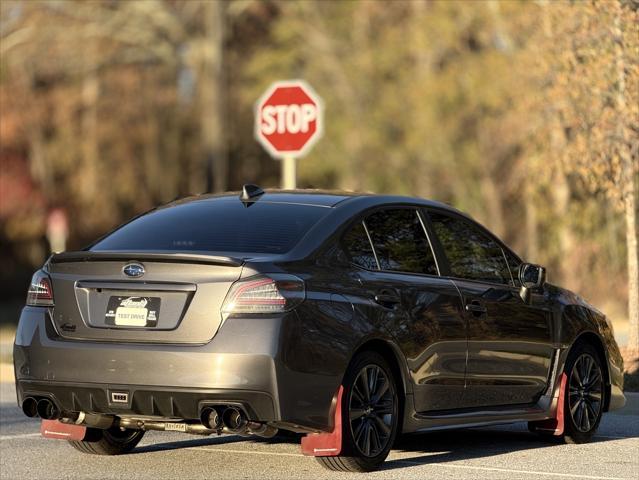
[{"x": 133, "y": 311}]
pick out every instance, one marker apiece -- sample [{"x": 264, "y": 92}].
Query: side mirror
[{"x": 531, "y": 276}]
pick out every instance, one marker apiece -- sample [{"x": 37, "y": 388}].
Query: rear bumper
[
  {"x": 242, "y": 365},
  {"x": 171, "y": 402}
]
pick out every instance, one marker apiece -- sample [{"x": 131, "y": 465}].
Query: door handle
[
  {"x": 476, "y": 308},
  {"x": 387, "y": 299}
]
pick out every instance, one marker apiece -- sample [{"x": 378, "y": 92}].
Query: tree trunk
[
  {"x": 212, "y": 88},
  {"x": 630, "y": 207},
  {"x": 560, "y": 188},
  {"x": 629, "y": 186},
  {"x": 532, "y": 224},
  {"x": 89, "y": 128},
  {"x": 491, "y": 193},
  {"x": 561, "y": 201}
]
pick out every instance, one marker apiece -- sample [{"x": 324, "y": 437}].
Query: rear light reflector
[
  {"x": 273, "y": 294},
  {"x": 40, "y": 293}
]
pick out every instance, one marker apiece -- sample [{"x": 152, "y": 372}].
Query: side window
[
  {"x": 358, "y": 248},
  {"x": 471, "y": 253},
  {"x": 400, "y": 241}
]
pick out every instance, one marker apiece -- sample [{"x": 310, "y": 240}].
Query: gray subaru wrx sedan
[{"x": 350, "y": 318}]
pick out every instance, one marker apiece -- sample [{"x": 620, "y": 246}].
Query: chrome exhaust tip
[
  {"x": 210, "y": 418},
  {"x": 30, "y": 407},
  {"x": 261, "y": 430},
  {"x": 47, "y": 409},
  {"x": 234, "y": 420}
]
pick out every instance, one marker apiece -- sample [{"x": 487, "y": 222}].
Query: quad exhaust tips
[{"x": 218, "y": 419}]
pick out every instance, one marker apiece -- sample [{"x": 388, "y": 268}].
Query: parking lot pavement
[{"x": 508, "y": 453}]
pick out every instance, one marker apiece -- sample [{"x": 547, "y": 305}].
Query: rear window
[{"x": 220, "y": 225}]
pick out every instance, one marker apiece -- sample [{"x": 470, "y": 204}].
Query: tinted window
[
  {"x": 358, "y": 248},
  {"x": 217, "y": 225},
  {"x": 513, "y": 264},
  {"x": 400, "y": 242},
  {"x": 471, "y": 253}
]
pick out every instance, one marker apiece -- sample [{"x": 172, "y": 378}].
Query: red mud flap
[
  {"x": 326, "y": 444},
  {"x": 555, "y": 425},
  {"x": 62, "y": 431}
]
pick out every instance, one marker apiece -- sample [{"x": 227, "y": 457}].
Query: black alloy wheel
[
  {"x": 585, "y": 392},
  {"x": 370, "y": 415},
  {"x": 585, "y": 395},
  {"x": 371, "y": 410}
]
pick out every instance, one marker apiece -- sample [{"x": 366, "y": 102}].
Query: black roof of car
[{"x": 320, "y": 198}]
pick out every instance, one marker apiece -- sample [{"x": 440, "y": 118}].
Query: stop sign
[{"x": 288, "y": 119}]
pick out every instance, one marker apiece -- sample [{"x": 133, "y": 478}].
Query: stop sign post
[{"x": 288, "y": 122}]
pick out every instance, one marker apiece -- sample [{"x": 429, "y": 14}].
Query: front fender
[{"x": 583, "y": 323}]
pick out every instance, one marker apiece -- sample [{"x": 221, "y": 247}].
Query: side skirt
[
  {"x": 547, "y": 412},
  {"x": 478, "y": 418}
]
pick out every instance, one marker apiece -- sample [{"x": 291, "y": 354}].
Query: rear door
[
  {"x": 420, "y": 309},
  {"x": 509, "y": 342}
]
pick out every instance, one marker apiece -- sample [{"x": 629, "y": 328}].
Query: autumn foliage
[{"x": 524, "y": 114}]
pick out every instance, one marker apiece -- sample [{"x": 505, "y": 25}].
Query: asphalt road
[{"x": 508, "y": 453}]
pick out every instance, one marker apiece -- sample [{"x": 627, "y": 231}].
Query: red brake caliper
[{"x": 326, "y": 444}]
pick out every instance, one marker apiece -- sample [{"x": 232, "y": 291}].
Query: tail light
[
  {"x": 40, "y": 293},
  {"x": 273, "y": 294}
]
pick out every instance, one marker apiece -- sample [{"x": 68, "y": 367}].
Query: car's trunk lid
[{"x": 176, "y": 300}]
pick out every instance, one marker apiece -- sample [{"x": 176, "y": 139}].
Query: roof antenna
[{"x": 250, "y": 194}]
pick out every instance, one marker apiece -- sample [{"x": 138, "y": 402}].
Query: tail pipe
[
  {"x": 47, "y": 410},
  {"x": 211, "y": 418},
  {"x": 234, "y": 420},
  {"x": 30, "y": 407}
]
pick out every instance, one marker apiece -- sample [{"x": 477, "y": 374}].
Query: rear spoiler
[{"x": 126, "y": 256}]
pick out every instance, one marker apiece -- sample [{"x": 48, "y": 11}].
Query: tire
[
  {"x": 585, "y": 394},
  {"x": 113, "y": 441},
  {"x": 370, "y": 417}
]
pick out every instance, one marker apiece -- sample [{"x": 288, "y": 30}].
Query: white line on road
[
  {"x": 509, "y": 470},
  {"x": 254, "y": 452},
  {"x": 411, "y": 462},
  {"x": 398, "y": 460},
  {"x": 24, "y": 435},
  {"x": 27, "y": 435}
]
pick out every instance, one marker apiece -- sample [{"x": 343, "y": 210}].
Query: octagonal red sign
[{"x": 288, "y": 119}]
